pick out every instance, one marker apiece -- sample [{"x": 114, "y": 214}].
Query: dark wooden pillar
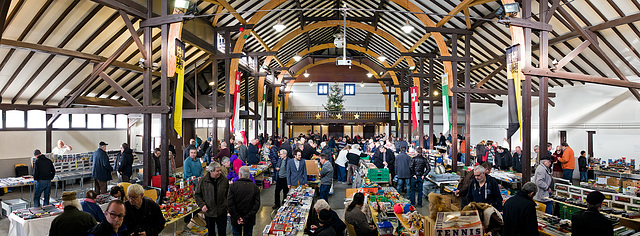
[
  {"x": 454, "y": 105},
  {"x": 431, "y": 97},
  {"x": 246, "y": 107},
  {"x": 48, "y": 141},
  {"x": 146, "y": 100},
  {"x": 401, "y": 107},
  {"x": 467, "y": 101},
  {"x": 543, "y": 105},
  {"x": 526, "y": 100},
  {"x": 164, "y": 117},
  {"x": 214, "y": 98},
  {"x": 590, "y": 142}
]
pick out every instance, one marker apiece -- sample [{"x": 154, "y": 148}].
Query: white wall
[
  {"x": 305, "y": 98},
  {"x": 610, "y": 111}
]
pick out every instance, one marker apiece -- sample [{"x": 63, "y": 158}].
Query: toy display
[
  {"x": 179, "y": 200},
  {"x": 38, "y": 212},
  {"x": 291, "y": 217}
]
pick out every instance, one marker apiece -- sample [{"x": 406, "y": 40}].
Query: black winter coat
[
  {"x": 378, "y": 159},
  {"x": 72, "y": 222},
  {"x": 354, "y": 158},
  {"x": 243, "y": 201},
  {"x": 582, "y": 163},
  {"x": 520, "y": 216},
  {"x": 591, "y": 223},
  {"x": 43, "y": 168},
  {"x": 517, "y": 162},
  {"x": 252, "y": 154},
  {"x": 124, "y": 161},
  {"x": 148, "y": 218},
  {"x": 504, "y": 159},
  {"x": 308, "y": 152},
  {"x": 419, "y": 166},
  {"x": 329, "y": 152},
  {"x": 105, "y": 229}
]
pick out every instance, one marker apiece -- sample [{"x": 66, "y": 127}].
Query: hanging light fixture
[
  {"x": 297, "y": 57},
  {"x": 382, "y": 58},
  {"x": 362, "y": 84},
  {"x": 306, "y": 74},
  {"x": 407, "y": 28},
  {"x": 310, "y": 83},
  {"x": 369, "y": 74},
  {"x": 279, "y": 27}
]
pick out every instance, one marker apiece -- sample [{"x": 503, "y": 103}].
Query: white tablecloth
[{"x": 35, "y": 227}]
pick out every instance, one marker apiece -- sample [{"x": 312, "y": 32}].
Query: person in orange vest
[{"x": 568, "y": 162}]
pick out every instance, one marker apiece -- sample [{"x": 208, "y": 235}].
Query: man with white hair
[
  {"x": 542, "y": 179},
  {"x": 309, "y": 150},
  {"x": 143, "y": 215},
  {"x": 223, "y": 152},
  {"x": 243, "y": 202},
  {"x": 72, "y": 221},
  {"x": 211, "y": 197},
  {"x": 61, "y": 148},
  {"x": 281, "y": 181},
  {"x": 484, "y": 189},
  {"x": 336, "y": 223}
]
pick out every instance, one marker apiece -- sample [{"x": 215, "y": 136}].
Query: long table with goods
[
  {"x": 291, "y": 218},
  {"x": 382, "y": 207}
]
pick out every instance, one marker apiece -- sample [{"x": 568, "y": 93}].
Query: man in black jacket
[
  {"x": 309, "y": 150},
  {"x": 419, "y": 168},
  {"x": 113, "y": 224},
  {"x": 143, "y": 215},
  {"x": 517, "y": 160},
  {"x": 520, "y": 213},
  {"x": 504, "y": 158},
  {"x": 252, "y": 153},
  {"x": 43, "y": 173},
  {"x": 591, "y": 221},
  {"x": 243, "y": 202},
  {"x": 124, "y": 162}
]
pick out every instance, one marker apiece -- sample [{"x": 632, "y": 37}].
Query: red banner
[
  {"x": 414, "y": 107},
  {"x": 235, "y": 120}
]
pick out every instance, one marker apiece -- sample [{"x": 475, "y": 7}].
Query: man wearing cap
[
  {"x": 43, "y": 173},
  {"x": 543, "y": 180},
  {"x": 101, "y": 168},
  {"x": 72, "y": 221},
  {"x": 520, "y": 212},
  {"x": 591, "y": 221}
]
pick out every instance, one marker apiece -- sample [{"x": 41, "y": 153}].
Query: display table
[
  {"x": 35, "y": 227},
  {"x": 624, "y": 221},
  {"x": 291, "y": 218}
]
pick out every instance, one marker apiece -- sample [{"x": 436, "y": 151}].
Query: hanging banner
[
  {"x": 278, "y": 113},
  {"x": 396, "y": 104},
  {"x": 446, "y": 125},
  {"x": 263, "y": 110},
  {"x": 235, "y": 120},
  {"x": 179, "y": 75},
  {"x": 515, "y": 94},
  {"x": 414, "y": 107},
  {"x": 175, "y": 32}
]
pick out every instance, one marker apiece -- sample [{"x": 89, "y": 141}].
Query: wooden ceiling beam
[
  {"x": 128, "y": 6},
  {"x": 581, "y": 77},
  {"x": 4, "y": 10},
  {"x": 94, "y": 101},
  {"x": 597, "y": 49},
  {"x": 120, "y": 90}
]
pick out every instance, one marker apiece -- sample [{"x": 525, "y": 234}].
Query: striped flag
[
  {"x": 514, "y": 95},
  {"x": 446, "y": 125},
  {"x": 235, "y": 120},
  {"x": 179, "y": 71},
  {"x": 414, "y": 106}
]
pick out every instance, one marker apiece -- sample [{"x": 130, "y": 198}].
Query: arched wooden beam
[
  {"x": 333, "y": 60},
  {"x": 265, "y": 9}
]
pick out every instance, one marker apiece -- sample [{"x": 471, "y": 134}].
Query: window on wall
[
  {"x": 109, "y": 121},
  {"x": 78, "y": 121},
  {"x": 62, "y": 122},
  {"x": 15, "y": 119},
  {"x": 349, "y": 89},
  {"x": 323, "y": 89},
  {"x": 36, "y": 119},
  {"x": 94, "y": 121},
  {"x": 122, "y": 121}
]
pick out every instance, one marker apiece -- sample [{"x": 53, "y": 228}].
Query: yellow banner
[
  {"x": 177, "y": 105},
  {"x": 397, "y": 112}
]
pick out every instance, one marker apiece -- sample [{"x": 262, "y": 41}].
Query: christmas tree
[{"x": 334, "y": 100}]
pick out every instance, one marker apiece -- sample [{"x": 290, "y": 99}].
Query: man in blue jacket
[
  {"x": 101, "y": 168},
  {"x": 296, "y": 170},
  {"x": 192, "y": 166},
  {"x": 484, "y": 189}
]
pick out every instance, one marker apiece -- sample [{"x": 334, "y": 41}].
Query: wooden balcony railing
[{"x": 336, "y": 117}]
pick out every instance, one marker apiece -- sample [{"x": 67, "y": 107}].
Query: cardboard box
[
  {"x": 312, "y": 167},
  {"x": 458, "y": 223},
  {"x": 613, "y": 181},
  {"x": 629, "y": 183}
]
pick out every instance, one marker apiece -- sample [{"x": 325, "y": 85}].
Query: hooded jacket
[{"x": 124, "y": 162}]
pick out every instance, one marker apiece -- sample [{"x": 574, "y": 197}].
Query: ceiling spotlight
[
  {"x": 510, "y": 8},
  {"x": 435, "y": 93},
  {"x": 310, "y": 83},
  {"x": 184, "y": 4},
  {"x": 297, "y": 57},
  {"x": 212, "y": 83},
  {"x": 279, "y": 27},
  {"x": 412, "y": 68},
  {"x": 381, "y": 73},
  {"x": 407, "y": 28},
  {"x": 306, "y": 74},
  {"x": 362, "y": 84},
  {"x": 369, "y": 74},
  {"x": 382, "y": 58}
]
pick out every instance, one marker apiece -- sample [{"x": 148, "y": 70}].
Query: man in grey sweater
[
  {"x": 281, "y": 182},
  {"x": 543, "y": 180},
  {"x": 326, "y": 177}
]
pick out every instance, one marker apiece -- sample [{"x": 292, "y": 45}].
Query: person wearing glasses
[
  {"x": 484, "y": 189},
  {"x": 143, "y": 216},
  {"x": 72, "y": 221},
  {"x": 113, "y": 224}
]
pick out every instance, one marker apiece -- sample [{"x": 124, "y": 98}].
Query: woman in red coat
[{"x": 557, "y": 168}]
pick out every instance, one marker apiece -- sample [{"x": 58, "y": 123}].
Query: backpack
[{"x": 21, "y": 170}]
